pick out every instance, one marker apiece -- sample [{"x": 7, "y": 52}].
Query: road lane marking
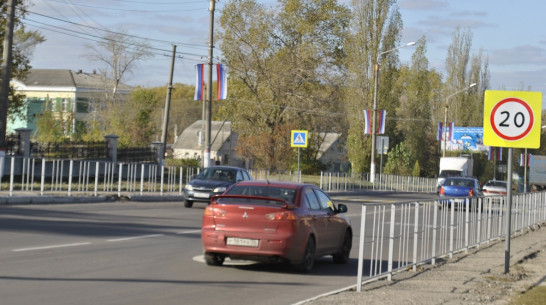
[
  {"x": 134, "y": 237},
  {"x": 188, "y": 232},
  {"x": 51, "y": 247}
]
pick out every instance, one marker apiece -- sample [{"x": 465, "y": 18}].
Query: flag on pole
[
  {"x": 448, "y": 133},
  {"x": 221, "y": 77},
  {"x": 367, "y": 122},
  {"x": 451, "y": 131},
  {"x": 524, "y": 159},
  {"x": 382, "y": 118},
  {"x": 199, "y": 82},
  {"x": 495, "y": 151}
]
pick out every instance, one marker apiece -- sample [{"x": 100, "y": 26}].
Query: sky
[{"x": 512, "y": 34}]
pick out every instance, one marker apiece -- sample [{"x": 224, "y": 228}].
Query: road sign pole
[
  {"x": 299, "y": 165},
  {"x": 508, "y": 213}
]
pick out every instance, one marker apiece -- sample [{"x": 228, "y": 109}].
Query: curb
[
  {"x": 50, "y": 199},
  {"x": 23, "y": 200}
]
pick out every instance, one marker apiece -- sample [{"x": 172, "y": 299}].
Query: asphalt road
[{"x": 145, "y": 253}]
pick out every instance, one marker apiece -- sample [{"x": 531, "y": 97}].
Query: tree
[
  {"x": 285, "y": 73},
  {"x": 135, "y": 127},
  {"x": 466, "y": 108},
  {"x": 414, "y": 112},
  {"x": 24, "y": 42},
  {"x": 375, "y": 27},
  {"x": 119, "y": 55}
]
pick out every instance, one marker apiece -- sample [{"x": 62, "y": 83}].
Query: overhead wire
[
  {"x": 119, "y": 33},
  {"x": 132, "y": 10}
]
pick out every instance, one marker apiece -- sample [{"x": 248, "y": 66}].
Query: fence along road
[
  {"x": 42, "y": 176},
  {"x": 398, "y": 236}
]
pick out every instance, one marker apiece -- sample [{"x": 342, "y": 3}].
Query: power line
[
  {"x": 148, "y": 2},
  {"x": 133, "y": 10},
  {"x": 118, "y": 33},
  {"x": 98, "y": 38}
]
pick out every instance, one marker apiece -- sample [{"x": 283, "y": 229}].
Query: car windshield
[
  {"x": 496, "y": 183},
  {"x": 450, "y": 173},
  {"x": 219, "y": 174},
  {"x": 286, "y": 194},
  {"x": 459, "y": 182}
]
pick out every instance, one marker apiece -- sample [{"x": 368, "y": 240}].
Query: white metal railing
[
  {"x": 397, "y": 236},
  {"x": 40, "y": 176},
  {"x": 66, "y": 177}
]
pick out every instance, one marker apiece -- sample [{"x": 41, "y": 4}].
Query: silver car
[{"x": 494, "y": 187}]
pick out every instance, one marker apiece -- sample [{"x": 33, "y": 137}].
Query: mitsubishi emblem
[{"x": 245, "y": 215}]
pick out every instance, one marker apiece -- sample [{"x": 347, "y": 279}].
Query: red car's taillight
[
  {"x": 214, "y": 212},
  {"x": 280, "y": 216}
]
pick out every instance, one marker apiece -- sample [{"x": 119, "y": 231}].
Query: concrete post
[
  {"x": 158, "y": 146},
  {"x": 112, "y": 147},
  {"x": 23, "y": 147}
]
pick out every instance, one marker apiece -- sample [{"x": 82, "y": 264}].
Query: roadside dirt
[{"x": 476, "y": 277}]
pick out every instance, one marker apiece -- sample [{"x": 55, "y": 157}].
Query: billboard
[{"x": 466, "y": 139}]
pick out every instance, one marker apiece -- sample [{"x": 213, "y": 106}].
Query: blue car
[{"x": 459, "y": 187}]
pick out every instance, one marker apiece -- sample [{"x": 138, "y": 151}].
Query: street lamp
[
  {"x": 445, "y": 114},
  {"x": 374, "y": 119}
]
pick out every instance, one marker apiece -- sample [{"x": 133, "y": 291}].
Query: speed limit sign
[{"x": 512, "y": 119}]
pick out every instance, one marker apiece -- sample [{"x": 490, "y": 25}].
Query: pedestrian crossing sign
[{"x": 299, "y": 138}]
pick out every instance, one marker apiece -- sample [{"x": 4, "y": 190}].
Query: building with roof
[
  {"x": 190, "y": 144},
  {"x": 332, "y": 152},
  {"x": 71, "y": 95}
]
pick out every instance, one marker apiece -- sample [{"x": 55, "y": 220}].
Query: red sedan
[{"x": 275, "y": 222}]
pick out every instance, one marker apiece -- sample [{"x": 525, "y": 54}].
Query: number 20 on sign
[{"x": 512, "y": 119}]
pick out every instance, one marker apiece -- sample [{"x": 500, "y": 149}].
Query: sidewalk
[{"x": 476, "y": 277}]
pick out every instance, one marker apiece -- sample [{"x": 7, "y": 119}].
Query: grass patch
[{"x": 534, "y": 296}]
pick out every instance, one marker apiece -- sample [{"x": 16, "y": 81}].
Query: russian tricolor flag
[
  {"x": 495, "y": 151},
  {"x": 199, "y": 82},
  {"x": 368, "y": 121},
  {"x": 524, "y": 160},
  {"x": 381, "y": 121},
  {"x": 441, "y": 131},
  {"x": 221, "y": 81}
]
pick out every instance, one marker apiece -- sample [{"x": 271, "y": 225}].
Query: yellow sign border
[
  {"x": 533, "y": 99},
  {"x": 292, "y": 144}
]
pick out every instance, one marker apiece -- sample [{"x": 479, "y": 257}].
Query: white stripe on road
[
  {"x": 135, "y": 237},
  {"x": 188, "y": 232},
  {"x": 51, "y": 247},
  {"x": 109, "y": 240}
]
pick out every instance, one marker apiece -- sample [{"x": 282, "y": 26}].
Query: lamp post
[
  {"x": 374, "y": 119},
  {"x": 445, "y": 114}
]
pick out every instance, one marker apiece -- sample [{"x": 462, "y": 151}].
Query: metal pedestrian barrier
[
  {"x": 43, "y": 176},
  {"x": 399, "y": 236}
]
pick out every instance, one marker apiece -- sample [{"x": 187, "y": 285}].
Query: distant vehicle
[
  {"x": 537, "y": 172},
  {"x": 212, "y": 181},
  {"x": 275, "y": 222},
  {"x": 460, "y": 187},
  {"x": 455, "y": 167},
  {"x": 494, "y": 187}
]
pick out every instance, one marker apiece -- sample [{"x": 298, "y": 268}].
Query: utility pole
[
  {"x": 164, "y": 130},
  {"x": 6, "y": 72},
  {"x": 208, "y": 102}
]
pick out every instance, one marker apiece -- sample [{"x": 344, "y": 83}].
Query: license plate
[
  {"x": 243, "y": 242},
  {"x": 201, "y": 195}
]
